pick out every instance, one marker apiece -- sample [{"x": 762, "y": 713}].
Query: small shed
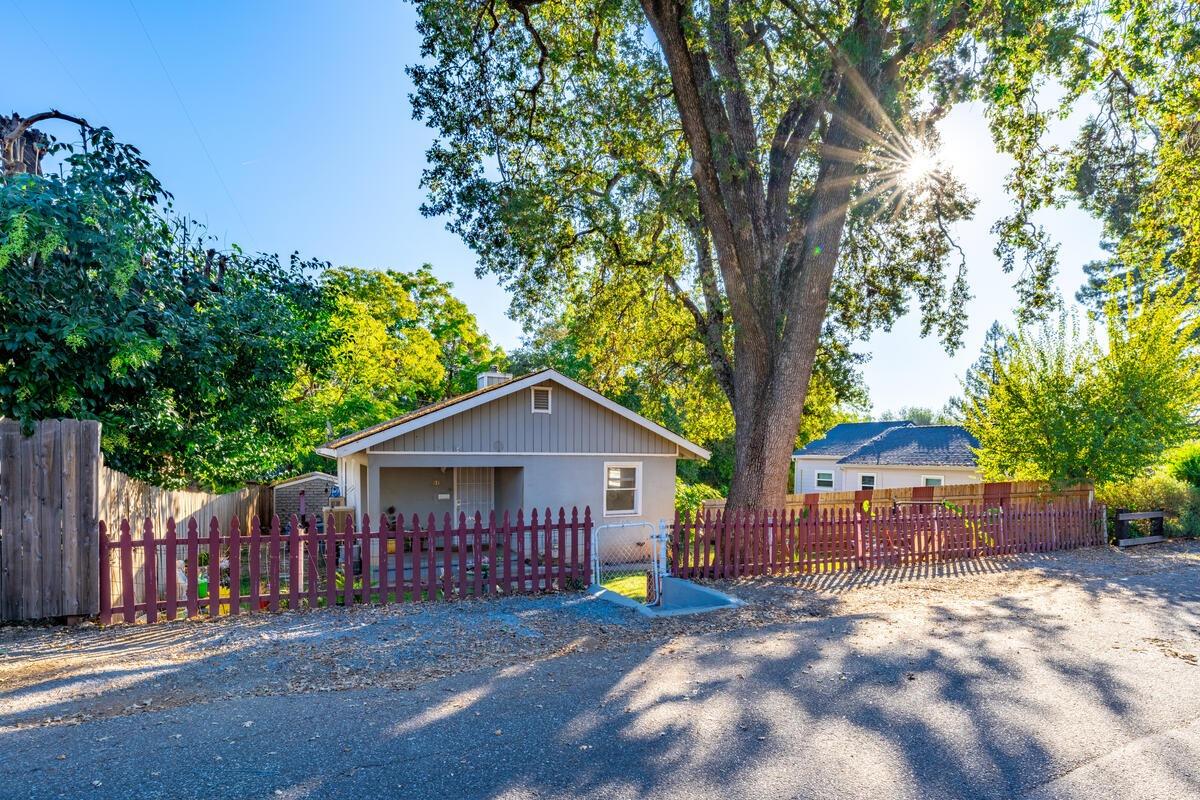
[{"x": 302, "y": 495}]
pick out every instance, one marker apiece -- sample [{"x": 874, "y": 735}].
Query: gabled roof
[
  {"x": 844, "y": 439},
  {"x": 363, "y": 439},
  {"x": 306, "y": 476},
  {"x": 918, "y": 445}
]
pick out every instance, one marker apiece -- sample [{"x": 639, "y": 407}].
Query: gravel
[{"x": 1022, "y": 676}]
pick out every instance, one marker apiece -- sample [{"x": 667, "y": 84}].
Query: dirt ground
[{"x": 63, "y": 676}]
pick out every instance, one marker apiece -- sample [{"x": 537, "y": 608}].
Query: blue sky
[{"x": 286, "y": 126}]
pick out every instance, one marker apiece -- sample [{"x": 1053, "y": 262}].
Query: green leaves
[{"x": 1054, "y": 404}]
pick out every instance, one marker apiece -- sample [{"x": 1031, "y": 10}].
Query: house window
[
  {"x": 932, "y": 480},
  {"x": 866, "y": 481},
  {"x": 622, "y": 489},
  {"x": 540, "y": 399},
  {"x": 824, "y": 480}
]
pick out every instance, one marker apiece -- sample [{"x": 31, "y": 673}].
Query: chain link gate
[{"x": 629, "y": 558}]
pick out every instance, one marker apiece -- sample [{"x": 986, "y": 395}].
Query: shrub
[
  {"x": 690, "y": 496},
  {"x": 1184, "y": 463},
  {"x": 1157, "y": 491}
]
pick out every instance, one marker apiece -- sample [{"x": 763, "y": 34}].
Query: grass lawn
[{"x": 632, "y": 586}]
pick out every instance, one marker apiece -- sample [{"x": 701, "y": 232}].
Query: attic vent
[{"x": 541, "y": 399}]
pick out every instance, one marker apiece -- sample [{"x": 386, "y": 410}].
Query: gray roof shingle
[
  {"x": 844, "y": 439},
  {"x": 918, "y": 445}
]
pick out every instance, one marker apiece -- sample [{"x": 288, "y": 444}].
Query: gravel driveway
[{"x": 1068, "y": 675}]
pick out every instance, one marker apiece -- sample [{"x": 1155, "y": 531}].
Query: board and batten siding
[{"x": 508, "y": 425}]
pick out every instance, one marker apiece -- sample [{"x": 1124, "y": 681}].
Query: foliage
[
  {"x": 1136, "y": 162},
  {"x": 920, "y": 415},
  {"x": 206, "y": 368},
  {"x": 1155, "y": 491},
  {"x": 1055, "y": 405},
  {"x": 689, "y": 497},
  {"x": 753, "y": 178},
  {"x": 1184, "y": 463}
]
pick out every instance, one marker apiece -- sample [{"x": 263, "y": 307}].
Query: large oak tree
[{"x": 767, "y": 167}]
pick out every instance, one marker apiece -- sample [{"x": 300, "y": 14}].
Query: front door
[{"x": 474, "y": 492}]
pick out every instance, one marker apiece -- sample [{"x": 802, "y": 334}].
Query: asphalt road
[{"x": 1075, "y": 686}]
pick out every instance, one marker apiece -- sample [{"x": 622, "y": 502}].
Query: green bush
[
  {"x": 1184, "y": 463},
  {"x": 1156, "y": 491},
  {"x": 690, "y": 496}
]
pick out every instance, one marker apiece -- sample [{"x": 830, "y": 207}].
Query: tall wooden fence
[
  {"x": 739, "y": 544},
  {"x": 216, "y": 571},
  {"x": 123, "y": 497},
  {"x": 48, "y": 520}
]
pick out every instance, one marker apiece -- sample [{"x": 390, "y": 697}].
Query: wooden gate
[{"x": 49, "y": 534}]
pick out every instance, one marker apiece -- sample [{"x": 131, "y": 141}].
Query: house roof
[
  {"x": 361, "y": 440},
  {"x": 306, "y": 476},
  {"x": 844, "y": 439},
  {"x": 918, "y": 445}
]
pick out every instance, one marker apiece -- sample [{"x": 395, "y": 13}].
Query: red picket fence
[
  {"x": 218, "y": 572},
  {"x": 742, "y": 544}
]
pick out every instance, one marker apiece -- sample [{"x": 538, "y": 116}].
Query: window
[
  {"x": 931, "y": 480},
  {"x": 540, "y": 399},
  {"x": 622, "y": 489},
  {"x": 824, "y": 480},
  {"x": 866, "y": 481}
]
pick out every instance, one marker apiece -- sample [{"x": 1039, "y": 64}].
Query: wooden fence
[
  {"x": 123, "y": 497},
  {"x": 737, "y": 544},
  {"x": 217, "y": 571},
  {"x": 48, "y": 520},
  {"x": 1002, "y": 494}
]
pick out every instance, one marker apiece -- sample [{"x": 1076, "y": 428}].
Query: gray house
[{"x": 540, "y": 440}]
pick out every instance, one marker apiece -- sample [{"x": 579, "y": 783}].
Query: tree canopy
[
  {"x": 757, "y": 181},
  {"x": 1055, "y": 403},
  {"x": 207, "y": 367}
]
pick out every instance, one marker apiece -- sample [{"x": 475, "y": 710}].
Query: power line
[{"x": 191, "y": 122}]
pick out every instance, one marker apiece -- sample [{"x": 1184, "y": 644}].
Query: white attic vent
[{"x": 540, "y": 398}]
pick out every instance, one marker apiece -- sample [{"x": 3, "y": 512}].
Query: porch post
[{"x": 372, "y": 504}]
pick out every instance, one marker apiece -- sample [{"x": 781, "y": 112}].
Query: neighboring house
[
  {"x": 302, "y": 495},
  {"x": 537, "y": 441},
  {"x": 886, "y": 455}
]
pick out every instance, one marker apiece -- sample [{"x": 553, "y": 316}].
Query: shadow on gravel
[{"x": 986, "y": 699}]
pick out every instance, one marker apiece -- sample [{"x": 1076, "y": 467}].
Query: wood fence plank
[
  {"x": 192, "y": 590},
  {"x": 171, "y": 565},
  {"x": 367, "y": 580},
  {"x": 587, "y": 546},
  {"x": 214, "y": 568},
  {"x": 151, "y": 570},
  {"x": 273, "y": 557},
  {"x": 127, "y": 595},
  {"x": 106, "y": 580},
  {"x": 254, "y": 559},
  {"x": 235, "y": 568}
]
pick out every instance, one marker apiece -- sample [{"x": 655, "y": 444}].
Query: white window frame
[
  {"x": 874, "y": 480},
  {"x": 533, "y": 390},
  {"x": 637, "y": 488},
  {"x": 941, "y": 480},
  {"x": 817, "y": 478}
]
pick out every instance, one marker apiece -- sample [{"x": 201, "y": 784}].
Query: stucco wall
[{"x": 547, "y": 482}]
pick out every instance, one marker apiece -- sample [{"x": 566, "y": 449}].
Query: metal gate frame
[{"x": 657, "y": 538}]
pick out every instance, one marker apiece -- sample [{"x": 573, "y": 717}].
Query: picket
[
  {"x": 749, "y": 544},
  {"x": 375, "y": 563}
]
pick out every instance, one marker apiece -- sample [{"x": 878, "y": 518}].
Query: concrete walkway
[{"x": 1064, "y": 683}]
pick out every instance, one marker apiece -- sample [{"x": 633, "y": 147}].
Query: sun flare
[{"x": 920, "y": 165}]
